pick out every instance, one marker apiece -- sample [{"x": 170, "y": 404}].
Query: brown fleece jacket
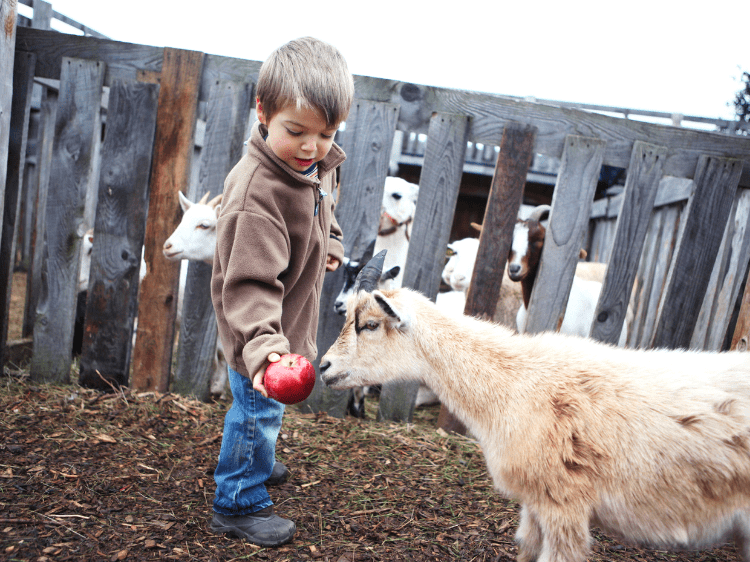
[{"x": 271, "y": 251}]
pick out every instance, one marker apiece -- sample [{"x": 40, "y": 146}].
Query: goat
[
  {"x": 356, "y": 405},
  {"x": 195, "y": 239},
  {"x": 351, "y": 269},
  {"x": 458, "y": 272},
  {"x": 523, "y": 266},
  {"x": 394, "y": 229},
  {"x": 650, "y": 446},
  {"x": 84, "y": 274}
]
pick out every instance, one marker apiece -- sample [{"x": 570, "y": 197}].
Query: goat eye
[
  {"x": 204, "y": 226},
  {"x": 396, "y": 196},
  {"x": 371, "y": 325}
]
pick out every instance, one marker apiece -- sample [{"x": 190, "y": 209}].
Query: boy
[{"x": 276, "y": 237}]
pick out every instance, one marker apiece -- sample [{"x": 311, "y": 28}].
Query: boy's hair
[{"x": 309, "y": 73}]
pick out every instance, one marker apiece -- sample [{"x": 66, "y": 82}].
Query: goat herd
[{"x": 650, "y": 446}]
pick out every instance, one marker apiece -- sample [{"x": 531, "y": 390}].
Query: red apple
[{"x": 290, "y": 380}]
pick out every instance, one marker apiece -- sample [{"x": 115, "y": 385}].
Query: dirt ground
[{"x": 86, "y": 475}]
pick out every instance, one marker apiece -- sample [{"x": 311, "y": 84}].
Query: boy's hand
[
  {"x": 332, "y": 264},
  {"x": 258, "y": 378}
]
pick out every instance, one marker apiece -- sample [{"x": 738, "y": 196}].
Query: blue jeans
[{"x": 248, "y": 449}]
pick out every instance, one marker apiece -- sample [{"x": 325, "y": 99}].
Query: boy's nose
[{"x": 309, "y": 145}]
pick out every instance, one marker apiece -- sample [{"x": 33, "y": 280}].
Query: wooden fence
[{"x": 156, "y": 99}]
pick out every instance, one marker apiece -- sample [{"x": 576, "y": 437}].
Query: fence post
[
  {"x": 644, "y": 173},
  {"x": 118, "y": 234},
  {"x": 8, "y": 12},
  {"x": 503, "y": 203},
  {"x": 173, "y": 148},
  {"x": 78, "y": 130},
  {"x": 438, "y": 192},
  {"x": 580, "y": 167}
]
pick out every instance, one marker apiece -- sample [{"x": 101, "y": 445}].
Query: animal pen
[{"x": 120, "y": 128}]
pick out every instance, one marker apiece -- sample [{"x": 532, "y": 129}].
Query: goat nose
[
  {"x": 514, "y": 268},
  {"x": 324, "y": 366}
]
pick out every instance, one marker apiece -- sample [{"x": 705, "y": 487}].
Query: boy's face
[{"x": 298, "y": 136}]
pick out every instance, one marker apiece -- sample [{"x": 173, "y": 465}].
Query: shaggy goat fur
[{"x": 651, "y": 446}]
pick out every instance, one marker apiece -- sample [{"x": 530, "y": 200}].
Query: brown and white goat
[
  {"x": 650, "y": 446},
  {"x": 523, "y": 266}
]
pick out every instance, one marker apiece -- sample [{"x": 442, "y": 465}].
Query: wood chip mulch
[{"x": 86, "y": 475}]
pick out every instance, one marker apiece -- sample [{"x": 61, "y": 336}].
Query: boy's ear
[{"x": 259, "y": 111}]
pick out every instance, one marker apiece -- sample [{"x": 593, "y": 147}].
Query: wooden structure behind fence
[{"x": 685, "y": 248}]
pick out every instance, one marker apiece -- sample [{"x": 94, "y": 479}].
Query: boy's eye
[{"x": 294, "y": 133}]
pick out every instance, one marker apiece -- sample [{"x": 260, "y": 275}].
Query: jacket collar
[{"x": 333, "y": 159}]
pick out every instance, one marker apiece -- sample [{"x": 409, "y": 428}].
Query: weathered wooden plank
[
  {"x": 42, "y": 15},
  {"x": 8, "y": 13},
  {"x": 670, "y": 190},
  {"x": 726, "y": 278},
  {"x": 23, "y": 78},
  {"x": 367, "y": 141},
  {"x": 716, "y": 182},
  {"x": 652, "y": 272},
  {"x": 122, "y": 60},
  {"x": 226, "y": 119},
  {"x": 120, "y": 225},
  {"x": 173, "y": 149},
  {"x": 44, "y": 162},
  {"x": 644, "y": 173},
  {"x": 78, "y": 129},
  {"x": 571, "y": 207},
  {"x": 503, "y": 203},
  {"x": 489, "y": 113},
  {"x": 438, "y": 192}
]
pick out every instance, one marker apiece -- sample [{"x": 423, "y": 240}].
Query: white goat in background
[
  {"x": 195, "y": 239},
  {"x": 396, "y": 216},
  {"x": 394, "y": 230},
  {"x": 650, "y": 446}
]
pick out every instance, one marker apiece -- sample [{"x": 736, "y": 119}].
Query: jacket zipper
[{"x": 321, "y": 194}]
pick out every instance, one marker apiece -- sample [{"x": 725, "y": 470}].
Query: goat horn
[
  {"x": 204, "y": 198},
  {"x": 215, "y": 201},
  {"x": 538, "y": 212},
  {"x": 368, "y": 278}
]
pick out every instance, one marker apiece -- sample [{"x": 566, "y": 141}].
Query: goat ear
[
  {"x": 185, "y": 203},
  {"x": 392, "y": 273},
  {"x": 388, "y": 307},
  {"x": 217, "y": 209}
]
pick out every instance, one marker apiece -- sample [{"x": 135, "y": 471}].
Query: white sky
[{"x": 642, "y": 54}]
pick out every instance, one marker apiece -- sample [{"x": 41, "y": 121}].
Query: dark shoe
[
  {"x": 279, "y": 475},
  {"x": 263, "y": 527}
]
